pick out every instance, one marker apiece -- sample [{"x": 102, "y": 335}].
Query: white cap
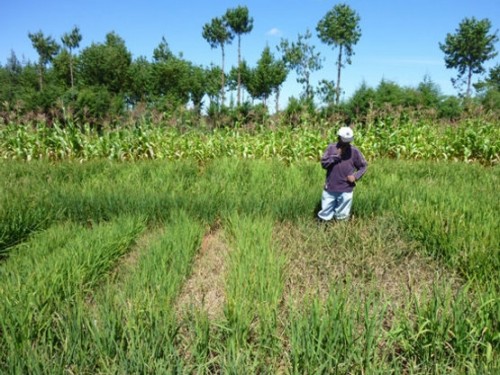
[{"x": 346, "y": 134}]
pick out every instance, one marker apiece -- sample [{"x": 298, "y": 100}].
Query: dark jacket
[{"x": 338, "y": 167}]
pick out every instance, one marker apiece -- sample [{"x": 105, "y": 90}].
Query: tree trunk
[
  {"x": 223, "y": 77},
  {"x": 40, "y": 81},
  {"x": 308, "y": 86},
  {"x": 339, "y": 67},
  {"x": 239, "y": 70},
  {"x": 71, "y": 70},
  {"x": 469, "y": 79},
  {"x": 277, "y": 100}
]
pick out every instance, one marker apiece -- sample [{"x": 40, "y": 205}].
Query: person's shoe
[{"x": 342, "y": 219}]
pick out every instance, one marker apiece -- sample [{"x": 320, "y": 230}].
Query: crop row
[{"x": 467, "y": 141}]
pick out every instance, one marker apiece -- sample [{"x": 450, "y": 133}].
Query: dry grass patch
[
  {"x": 366, "y": 256},
  {"x": 204, "y": 290},
  {"x": 202, "y": 298}
]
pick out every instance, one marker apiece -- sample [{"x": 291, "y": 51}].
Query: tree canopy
[
  {"x": 217, "y": 34},
  {"x": 468, "y": 49},
  {"x": 47, "y": 48},
  {"x": 240, "y": 23},
  {"x": 302, "y": 57},
  {"x": 340, "y": 28}
]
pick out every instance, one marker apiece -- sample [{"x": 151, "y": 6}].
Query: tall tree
[
  {"x": 9, "y": 79},
  {"x": 468, "y": 49},
  {"x": 106, "y": 64},
  {"x": 240, "y": 23},
  {"x": 262, "y": 80},
  {"x": 217, "y": 33},
  {"x": 429, "y": 93},
  {"x": 245, "y": 73},
  {"x": 171, "y": 76},
  {"x": 171, "y": 81},
  {"x": 340, "y": 28},
  {"x": 489, "y": 89},
  {"x": 267, "y": 77},
  {"x": 277, "y": 76},
  {"x": 162, "y": 53},
  {"x": 327, "y": 91},
  {"x": 492, "y": 81},
  {"x": 46, "y": 48},
  {"x": 197, "y": 86},
  {"x": 212, "y": 81},
  {"x": 70, "y": 41},
  {"x": 301, "y": 57},
  {"x": 141, "y": 81}
]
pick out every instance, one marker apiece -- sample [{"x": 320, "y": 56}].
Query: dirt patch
[{"x": 204, "y": 290}]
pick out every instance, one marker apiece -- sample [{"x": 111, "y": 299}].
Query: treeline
[{"x": 103, "y": 85}]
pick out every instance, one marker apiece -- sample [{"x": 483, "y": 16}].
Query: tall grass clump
[
  {"x": 446, "y": 207},
  {"x": 445, "y": 332},
  {"x": 336, "y": 336},
  {"x": 24, "y": 202},
  {"x": 254, "y": 288},
  {"x": 18, "y": 220},
  {"x": 133, "y": 327},
  {"x": 153, "y": 190},
  {"x": 255, "y": 187},
  {"x": 42, "y": 279},
  {"x": 37, "y": 194}
]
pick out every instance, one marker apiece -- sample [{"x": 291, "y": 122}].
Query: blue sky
[{"x": 399, "y": 42}]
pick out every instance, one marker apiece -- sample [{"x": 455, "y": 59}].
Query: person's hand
[{"x": 351, "y": 179}]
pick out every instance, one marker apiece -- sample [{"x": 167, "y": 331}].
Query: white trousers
[{"x": 335, "y": 205}]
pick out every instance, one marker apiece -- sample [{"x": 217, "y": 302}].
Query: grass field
[{"x": 162, "y": 267}]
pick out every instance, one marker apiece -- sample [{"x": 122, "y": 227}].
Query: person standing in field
[{"x": 344, "y": 165}]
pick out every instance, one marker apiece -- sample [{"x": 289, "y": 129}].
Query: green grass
[
  {"x": 254, "y": 288},
  {"x": 132, "y": 317},
  {"x": 44, "y": 277},
  {"x": 95, "y": 256}
]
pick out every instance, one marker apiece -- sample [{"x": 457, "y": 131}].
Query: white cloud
[{"x": 274, "y": 32}]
